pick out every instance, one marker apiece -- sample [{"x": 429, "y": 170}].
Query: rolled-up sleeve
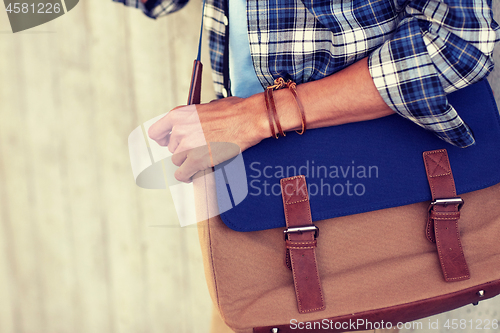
[
  {"x": 437, "y": 48},
  {"x": 155, "y": 8}
]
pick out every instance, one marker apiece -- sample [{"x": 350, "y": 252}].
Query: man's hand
[{"x": 201, "y": 136}]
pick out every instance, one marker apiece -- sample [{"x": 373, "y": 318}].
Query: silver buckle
[
  {"x": 301, "y": 230},
  {"x": 446, "y": 202}
]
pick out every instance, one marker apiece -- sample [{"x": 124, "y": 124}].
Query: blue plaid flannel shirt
[{"x": 419, "y": 50}]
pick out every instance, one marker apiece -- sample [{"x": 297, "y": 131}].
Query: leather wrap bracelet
[{"x": 272, "y": 113}]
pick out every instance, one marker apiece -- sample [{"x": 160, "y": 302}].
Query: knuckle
[
  {"x": 179, "y": 175},
  {"x": 176, "y": 160},
  {"x": 196, "y": 158}
]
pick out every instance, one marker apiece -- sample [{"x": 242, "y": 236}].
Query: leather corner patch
[
  {"x": 294, "y": 190},
  {"x": 437, "y": 163}
]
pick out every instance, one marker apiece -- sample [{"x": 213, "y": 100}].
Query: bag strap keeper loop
[
  {"x": 300, "y": 240},
  {"x": 444, "y": 213}
]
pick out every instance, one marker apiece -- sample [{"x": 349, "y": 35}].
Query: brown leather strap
[
  {"x": 301, "y": 243},
  {"x": 273, "y": 111},
  {"x": 195, "y": 88},
  {"x": 442, "y": 225},
  {"x": 292, "y": 86},
  {"x": 270, "y": 114}
]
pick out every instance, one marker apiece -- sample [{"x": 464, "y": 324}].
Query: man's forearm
[{"x": 344, "y": 97}]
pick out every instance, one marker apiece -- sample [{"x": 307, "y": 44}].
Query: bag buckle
[
  {"x": 446, "y": 202},
  {"x": 301, "y": 230}
]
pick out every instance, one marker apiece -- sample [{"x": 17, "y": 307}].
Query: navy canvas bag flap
[{"x": 361, "y": 167}]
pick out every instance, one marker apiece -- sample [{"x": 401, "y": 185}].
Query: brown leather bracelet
[
  {"x": 280, "y": 83},
  {"x": 292, "y": 86},
  {"x": 274, "y": 112},
  {"x": 270, "y": 114}
]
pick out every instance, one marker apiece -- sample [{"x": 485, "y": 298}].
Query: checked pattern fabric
[{"x": 419, "y": 50}]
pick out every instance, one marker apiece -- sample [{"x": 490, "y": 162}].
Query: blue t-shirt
[{"x": 244, "y": 82}]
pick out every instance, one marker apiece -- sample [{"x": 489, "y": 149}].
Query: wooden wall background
[{"x": 79, "y": 248}]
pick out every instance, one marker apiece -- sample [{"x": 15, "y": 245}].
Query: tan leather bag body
[{"x": 376, "y": 267}]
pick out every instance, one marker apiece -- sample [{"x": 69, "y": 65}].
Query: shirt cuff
[{"x": 405, "y": 77}]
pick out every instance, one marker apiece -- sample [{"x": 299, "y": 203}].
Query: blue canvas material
[{"x": 386, "y": 155}]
